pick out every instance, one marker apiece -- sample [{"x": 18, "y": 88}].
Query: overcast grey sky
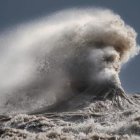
[{"x": 13, "y": 12}]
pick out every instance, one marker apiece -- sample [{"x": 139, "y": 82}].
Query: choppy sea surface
[{"x": 83, "y": 117}]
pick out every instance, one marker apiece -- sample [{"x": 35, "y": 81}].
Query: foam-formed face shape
[
  {"x": 89, "y": 66},
  {"x": 106, "y": 62}
]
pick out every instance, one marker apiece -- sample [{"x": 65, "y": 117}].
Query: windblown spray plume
[{"x": 70, "y": 52}]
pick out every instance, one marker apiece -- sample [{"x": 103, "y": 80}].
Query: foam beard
[{"x": 74, "y": 51}]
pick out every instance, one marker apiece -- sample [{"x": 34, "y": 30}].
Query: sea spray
[{"x": 50, "y": 59}]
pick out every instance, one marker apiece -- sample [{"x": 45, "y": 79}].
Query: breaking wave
[
  {"x": 53, "y": 58},
  {"x": 63, "y": 72}
]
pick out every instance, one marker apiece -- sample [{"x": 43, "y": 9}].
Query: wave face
[{"x": 50, "y": 59}]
